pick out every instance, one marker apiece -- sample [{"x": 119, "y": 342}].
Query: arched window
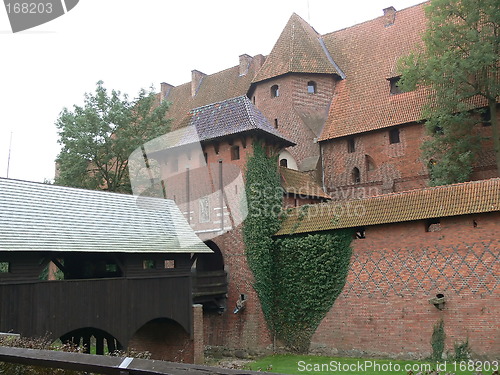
[
  {"x": 284, "y": 163},
  {"x": 275, "y": 91},
  {"x": 370, "y": 163},
  {"x": 311, "y": 87},
  {"x": 356, "y": 177}
]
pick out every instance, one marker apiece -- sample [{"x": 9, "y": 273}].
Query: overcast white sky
[{"x": 133, "y": 44}]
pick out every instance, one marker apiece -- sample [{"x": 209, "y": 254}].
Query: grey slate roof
[
  {"x": 41, "y": 217},
  {"x": 229, "y": 117}
]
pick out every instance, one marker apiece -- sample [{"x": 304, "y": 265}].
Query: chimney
[
  {"x": 196, "y": 78},
  {"x": 165, "y": 90},
  {"x": 389, "y": 16},
  {"x": 258, "y": 60},
  {"x": 245, "y": 61}
]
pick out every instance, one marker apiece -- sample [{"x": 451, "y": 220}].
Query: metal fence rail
[{"x": 107, "y": 365}]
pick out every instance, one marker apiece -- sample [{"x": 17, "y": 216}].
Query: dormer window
[
  {"x": 275, "y": 91},
  {"x": 395, "y": 88},
  {"x": 311, "y": 87}
]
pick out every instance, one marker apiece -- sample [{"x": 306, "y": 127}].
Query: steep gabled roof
[
  {"x": 229, "y": 117},
  {"x": 443, "y": 201},
  {"x": 299, "y": 49},
  {"x": 368, "y": 53},
  {"x": 41, "y": 217},
  {"x": 300, "y": 184}
]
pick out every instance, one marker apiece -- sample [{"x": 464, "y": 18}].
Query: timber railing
[{"x": 107, "y": 365}]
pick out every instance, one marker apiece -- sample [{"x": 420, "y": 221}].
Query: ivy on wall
[
  {"x": 297, "y": 277},
  {"x": 311, "y": 270},
  {"x": 264, "y": 200}
]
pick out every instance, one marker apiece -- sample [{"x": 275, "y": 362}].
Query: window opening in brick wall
[
  {"x": 360, "y": 233},
  {"x": 395, "y": 88},
  {"x": 284, "y": 163},
  {"x": 394, "y": 136},
  {"x": 311, "y": 87},
  {"x": 235, "y": 153},
  {"x": 276, "y": 123},
  {"x": 275, "y": 91},
  {"x": 474, "y": 223},
  {"x": 433, "y": 225},
  {"x": 370, "y": 163},
  {"x": 356, "y": 176},
  {"x": 351, "y": 145},
  {"x": 486, "y": 117}
]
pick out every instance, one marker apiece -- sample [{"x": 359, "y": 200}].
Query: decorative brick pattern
[{"x": 462, "y": 269}]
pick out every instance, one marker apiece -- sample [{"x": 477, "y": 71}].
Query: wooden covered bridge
[{"x": 98, "y": 267}]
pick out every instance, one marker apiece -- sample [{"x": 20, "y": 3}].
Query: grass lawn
[{"x": 303, "y": 364}]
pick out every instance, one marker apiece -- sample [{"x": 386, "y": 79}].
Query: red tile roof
[
  {"x": 299, "y": 49},
  {"x": 214, "y": 88},
  {"x": 367, "y": 53},
  {"x": 300, "y": 183},
  {"x": 442, "y": 201}
]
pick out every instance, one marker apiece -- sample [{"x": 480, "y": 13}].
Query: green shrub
[{"x": 437, "y": 341}]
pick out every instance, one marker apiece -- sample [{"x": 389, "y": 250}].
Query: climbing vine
[
  {"x": 264, "y": 200},
  {"x": 311, "y": 270},
  {"x": 297, "y": 277}
]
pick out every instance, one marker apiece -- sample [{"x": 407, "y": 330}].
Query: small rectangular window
[
  {"x": 148, "y": 264},
  {"x": 235, "y": 153},
  {"x": 276, "y": 123},
  {"x": 360, "y": 233},
  {"x": 351, "y": 145},
  {"x": 395, "y": 88},
  {"x": 394, "y": 136},
  {"x": 169, "y": 263},
  {"x": 4, "y": 267}
]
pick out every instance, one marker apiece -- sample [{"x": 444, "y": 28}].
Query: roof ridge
[
  {"x": 63, "y": 187},
  {"x": 373, "y": 19},
  {"x": 414, "y": 191}
]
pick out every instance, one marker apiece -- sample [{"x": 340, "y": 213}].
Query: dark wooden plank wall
[{"x": 118, "y": 306}]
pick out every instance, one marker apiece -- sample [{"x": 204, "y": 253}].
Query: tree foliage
[
  {"x": 298, "y": 277},
  {"x": 459, "y": 62},
  {"x": 98, "y": 137}
]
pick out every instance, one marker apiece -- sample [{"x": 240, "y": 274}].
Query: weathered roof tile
[
  {"x": 42, "y": 217},
  {"x": 434, "y": 202}
]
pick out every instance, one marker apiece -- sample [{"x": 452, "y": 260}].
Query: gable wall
[{"x": 300, "y": 115}]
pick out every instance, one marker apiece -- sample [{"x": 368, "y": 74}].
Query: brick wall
[
  {"x": 387, "y": 167},
  {"x": 300, "y": 115},
  {"x": 397, "y": 268},
  {"x": 247, "y": 329},
  {"x": 165, "y": 339}
]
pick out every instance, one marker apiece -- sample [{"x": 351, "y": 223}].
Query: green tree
[
  {"x": 459, "y": 62},
  {"x": 98, "y": 137}
]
